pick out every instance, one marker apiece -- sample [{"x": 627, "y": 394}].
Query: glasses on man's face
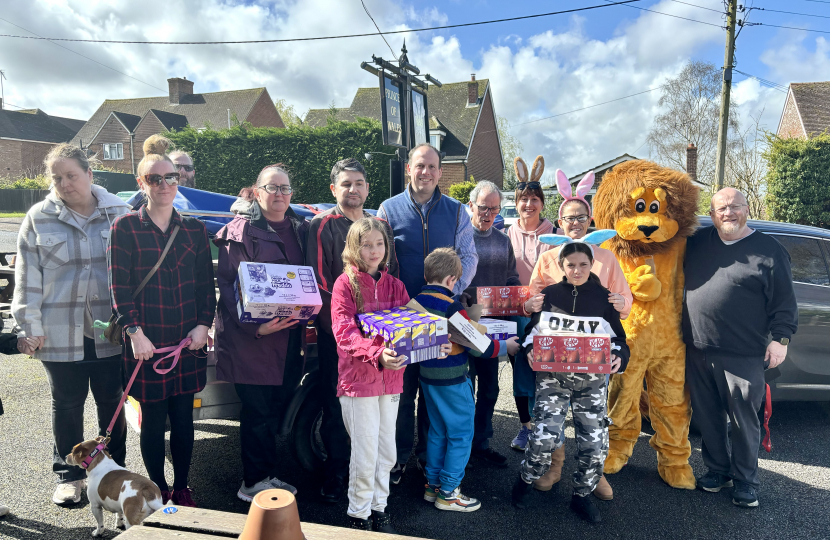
[
  {"x": 733, "y": 207},
  {"x": 187, "y": 168},
  {"x": 272, "y": 189},
  {"x": 172, "y": 179},
  {"x": 521, "y": 186},
  {"x": 573, "y": 219},
  {"x": 484, "y": 210}
]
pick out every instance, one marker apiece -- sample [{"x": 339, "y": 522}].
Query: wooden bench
[{"x": 202, "y": 524}]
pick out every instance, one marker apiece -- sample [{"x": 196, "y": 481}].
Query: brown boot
[
  {"x": 554, "y": 474},
  {"x": 603, "y": 490}
]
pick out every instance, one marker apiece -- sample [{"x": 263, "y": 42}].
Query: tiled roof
[
  {"x": 813, "y": 102},
  {"x": 198, "y": 109},
  {"x": 447, "y": 104},
  {"x": 36, "y": 125}
]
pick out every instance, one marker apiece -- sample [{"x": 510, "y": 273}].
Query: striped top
[{"x": 454, "y": 368}]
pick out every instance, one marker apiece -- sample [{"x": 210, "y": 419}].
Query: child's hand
[
  {"x": 446, "y": 349},
  {"x": 513, "y": 345},
  {"x": 616, "y": 362},
  {"x": 389, "y": 359},
  {"x": 534, "y": 304},
  {"x": 530, "y": 358}
]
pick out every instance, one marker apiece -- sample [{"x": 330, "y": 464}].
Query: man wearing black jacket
[{"x": 738, "y": 292}]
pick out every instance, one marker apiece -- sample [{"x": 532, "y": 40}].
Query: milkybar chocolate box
[
  {"x": 267, "y": 291},
  {"x": 572, "y": 353},
  {"x": 497, "y": 329},
  {"x": 418, "y": 336},
  {"x": 501, "y": 301}
]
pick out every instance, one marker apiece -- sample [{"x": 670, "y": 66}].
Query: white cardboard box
[
  {"x": 465, "y": 334},
  {"x": 266, "y": 291}
]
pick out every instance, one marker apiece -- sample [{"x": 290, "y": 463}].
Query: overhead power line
[
  {"x": 592, "y": 106},
  {"x": 790, "y": 28},
  {"x": 669, "y": 14},
  {"x": 378, "y": 29},
  {"x": 344, "y": 36},
  {"x": 765, "y": 82},
  {"x": 794, "y": 13},
  {"x": 701, "y": 7}
]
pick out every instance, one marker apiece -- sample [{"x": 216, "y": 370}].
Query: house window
[
  {"x": 114, "y": 151},
  {"x": 435, "y": 140}
]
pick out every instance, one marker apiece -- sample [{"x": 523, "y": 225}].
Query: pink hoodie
[
  {"x": 527, "y": 248},
  {"x": 360, "y": 372}
]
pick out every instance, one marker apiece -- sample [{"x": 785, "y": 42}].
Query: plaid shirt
[{"x": 177, "y": 298}]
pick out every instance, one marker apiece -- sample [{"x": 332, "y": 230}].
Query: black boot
[
  {"x": 585, "y": 507},
  {"x": 521, "y": 490},
  {"x": 361, "y": 524},
  {"x": 382, "y": 522},
  {"x": 333, "y": 489}
]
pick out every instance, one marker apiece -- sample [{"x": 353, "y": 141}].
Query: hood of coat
[
  {"x": 106, "y": 201},
  {"x": 250, "y": 221},
  {"x": 545, "y": 226}
]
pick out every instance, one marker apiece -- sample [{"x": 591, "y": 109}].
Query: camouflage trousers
[{"x": 586, "y": 394}]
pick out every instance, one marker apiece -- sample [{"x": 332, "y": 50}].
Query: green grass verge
[{"x": 12, "y": 214}]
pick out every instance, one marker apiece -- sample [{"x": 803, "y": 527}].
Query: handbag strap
[{"x": 161, "y": 259}]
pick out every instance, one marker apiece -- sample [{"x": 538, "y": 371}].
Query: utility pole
[{"x": 726, "y": 90}]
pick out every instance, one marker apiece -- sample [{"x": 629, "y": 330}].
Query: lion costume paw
[
  {"x": 614, "y": 463},
  {"x": 680, "y": 477}
]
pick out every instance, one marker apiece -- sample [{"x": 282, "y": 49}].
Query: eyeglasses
[
  {"x": 521, "y": 186},
  {"x": 187, "y": 168},
  {"x": 272, "y": 189},
  {"x": 172, "y": 179},
  {"x": 483, "y": 210},
  {"x": 573, "y": 219},
  {"x": 734, "y": 207}
]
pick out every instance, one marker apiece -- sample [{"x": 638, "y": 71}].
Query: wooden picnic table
[{"x": 202, "y": 524}]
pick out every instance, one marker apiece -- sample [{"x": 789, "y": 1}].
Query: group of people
[{"x": 83, "y": 255}]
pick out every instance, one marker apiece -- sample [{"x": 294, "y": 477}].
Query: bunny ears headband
[
  {"x": 592, "y": 239},
  {"x": 582, "y": 189},
  {"x": 520, "y": 167}
]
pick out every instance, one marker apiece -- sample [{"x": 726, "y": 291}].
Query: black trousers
[
  {"x": 70, "y": 383},
  {"x": 723, "y": 388},
  {"x": 485, "y": 375},
  {"x": 333, "y": 431},
  {"x": 405, "y": 426}
]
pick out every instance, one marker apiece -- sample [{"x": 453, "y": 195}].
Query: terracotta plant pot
[{"x": 273, "y": 516}]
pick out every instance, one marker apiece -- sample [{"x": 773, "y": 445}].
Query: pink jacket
[
  {"x": 528, "y": 248},
  {"x": 360, "y": 373}
]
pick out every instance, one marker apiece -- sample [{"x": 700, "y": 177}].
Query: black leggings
[
  {"x": 153, "y": 423},
  {"x": 522, "y": 405}
]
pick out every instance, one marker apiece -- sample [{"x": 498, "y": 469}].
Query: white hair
[{"x": 487, "y": 187}]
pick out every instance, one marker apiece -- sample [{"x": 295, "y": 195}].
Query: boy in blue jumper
[{"x": 448, "y": 390}]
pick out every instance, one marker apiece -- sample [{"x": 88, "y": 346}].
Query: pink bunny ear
[
  {"x": 585, "y": 185},
  {"x": 563, "y": 185}
]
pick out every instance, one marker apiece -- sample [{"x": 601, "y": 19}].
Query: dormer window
[{"x": 436, "y": 136}]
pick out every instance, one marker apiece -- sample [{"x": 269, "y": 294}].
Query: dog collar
[{"x": 88, "y": 460}]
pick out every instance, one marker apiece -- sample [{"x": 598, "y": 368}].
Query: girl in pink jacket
[{"x": 370, "y": 376}]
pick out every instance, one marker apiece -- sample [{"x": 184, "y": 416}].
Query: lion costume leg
[{"x": 624, "y": 411}]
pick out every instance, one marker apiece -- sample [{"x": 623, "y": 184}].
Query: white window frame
[{"x": 114, "y": 151}]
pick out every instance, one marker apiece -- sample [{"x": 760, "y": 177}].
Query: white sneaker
[
  {"x": 68, "y": 493},
  {"x": 4, "y": 510}
]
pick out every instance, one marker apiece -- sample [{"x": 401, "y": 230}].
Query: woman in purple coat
[{"x": 260, "y": 359}]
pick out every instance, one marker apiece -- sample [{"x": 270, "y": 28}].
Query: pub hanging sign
[
  {"x": 420, "y": 117},
  {"x": 390, "y": 106}
]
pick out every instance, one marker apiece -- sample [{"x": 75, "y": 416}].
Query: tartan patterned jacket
[
  {"x": 178, "y": 297},
  {"x": 57, "y": 264}
]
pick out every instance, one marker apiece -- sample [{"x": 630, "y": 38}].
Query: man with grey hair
[
  {"x": 496, "y": 268},
  {"x": 184, "y": 166},
  {"x": 739, "y": 293},
  {"x": 326, "y": 242}
]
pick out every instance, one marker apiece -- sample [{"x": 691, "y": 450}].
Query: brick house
[
  {"x": 462, "y": 124},
  {"x": 806, "y": 111},
  {"x": 118, "y": 129},
  {"x": 26, "y": 136}
]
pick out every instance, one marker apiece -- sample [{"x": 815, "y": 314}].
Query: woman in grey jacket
[{"x": 61, "y": 288}]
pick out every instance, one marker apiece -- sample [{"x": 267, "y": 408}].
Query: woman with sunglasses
[
  {"x": 259, "y": 359},
  {"x": 61, "y": 287},
  {"x": 178, "y": 302}
]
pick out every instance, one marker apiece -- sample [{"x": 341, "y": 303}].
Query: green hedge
[
  {"x": 227, "y": 160},
  {"x": 798, "y": 181}
]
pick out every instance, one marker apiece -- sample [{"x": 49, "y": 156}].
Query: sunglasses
[
  {"x": 187, "y": 168},
  {"x": 521, "y": 186},
  {"x": 172, "y": 179},
  {"x": 272, "y": 189}
]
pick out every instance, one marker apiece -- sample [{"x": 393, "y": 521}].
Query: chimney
[
  {"x": 472, "y": 91},
  {"x": 691, "y": 161},
  {"x": 179, "y": 88}
]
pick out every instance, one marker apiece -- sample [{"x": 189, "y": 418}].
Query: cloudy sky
[{"x": 537, "y": 67}]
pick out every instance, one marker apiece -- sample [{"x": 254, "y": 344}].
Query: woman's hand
[
  {"x": 142, "y": 347},
  {"x": 276, "y": 325},
  {"x": 28, "y": 345},
  {"x": 389, "y": 359},
  {"x": 617, "y": 300},
  {"x": 616, "y": 362},
  {"x": 534, "y": 305},
  {"x": 198, "y": 337},
  {"x": 446, "y": 348}
]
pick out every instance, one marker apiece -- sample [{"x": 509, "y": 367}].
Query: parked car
[{"x": 509, "y": 215}]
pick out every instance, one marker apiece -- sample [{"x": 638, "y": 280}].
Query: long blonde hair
[{"x": 351, "y": 254}]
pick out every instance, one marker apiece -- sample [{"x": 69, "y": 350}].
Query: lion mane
[{"x": 611, "y": 203}]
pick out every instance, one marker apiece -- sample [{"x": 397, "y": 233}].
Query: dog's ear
[{"x": 79, "y": 453}]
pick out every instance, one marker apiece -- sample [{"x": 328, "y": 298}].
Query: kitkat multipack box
[
  {"x": 414, "y": 334},
  {"x": 572, "y": 353},
  {"x": 501, "y": 301},
  {"x": 265, "y": 291}
]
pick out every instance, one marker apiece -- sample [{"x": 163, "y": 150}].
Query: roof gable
[
  {"x": 812, "y": 102},
  {"x": 36, "y": 125},
  {"x": 169, "y": 120}
]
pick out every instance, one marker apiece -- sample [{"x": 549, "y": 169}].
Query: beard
[
  {"x": 352, "y": 203},
  {"x": 732, "y": 227}
]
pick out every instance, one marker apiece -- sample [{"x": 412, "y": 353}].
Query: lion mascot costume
[{"x": 653, "y": 209}]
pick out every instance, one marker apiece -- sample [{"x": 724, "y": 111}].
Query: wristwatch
[
  {"x": 784, "y": 341},
  {"x": 132, "y": 330}
]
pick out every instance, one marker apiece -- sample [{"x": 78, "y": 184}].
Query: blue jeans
[{"x": 451, "y": 410}]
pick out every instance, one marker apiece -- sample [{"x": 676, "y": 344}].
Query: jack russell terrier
[{"x": 109, "y": 486}]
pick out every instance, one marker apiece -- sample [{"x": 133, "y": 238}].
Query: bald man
[{"x": 739, "y": 313}]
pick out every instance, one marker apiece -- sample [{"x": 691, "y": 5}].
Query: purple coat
[{"x": 241, "y": 356}]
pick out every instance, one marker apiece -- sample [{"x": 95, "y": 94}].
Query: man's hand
[
  {"x": 617, "y": 300},
  {"x": 446, "y": 348},
  {"x": 142, "y": 346},
  {"x": 198, "y": 337},
  {"x": 389, "y": 359},
  {"x": 465, "y": 299},
  {"x": 513, "y": 345},
  {"x": 776, "y": 353},
  {"x": 616, "y": 362},
  {"x": 534, "y": 305},
  {"x": 275, "y": 325}
]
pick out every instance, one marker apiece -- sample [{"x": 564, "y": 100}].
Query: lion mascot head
[{"x": 651, "y": 208}]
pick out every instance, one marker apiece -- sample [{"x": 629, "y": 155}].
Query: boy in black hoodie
[{"x": 579, "y": 304}]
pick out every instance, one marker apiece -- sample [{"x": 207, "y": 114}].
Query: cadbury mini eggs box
[{"x": 416, "y": 335}]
